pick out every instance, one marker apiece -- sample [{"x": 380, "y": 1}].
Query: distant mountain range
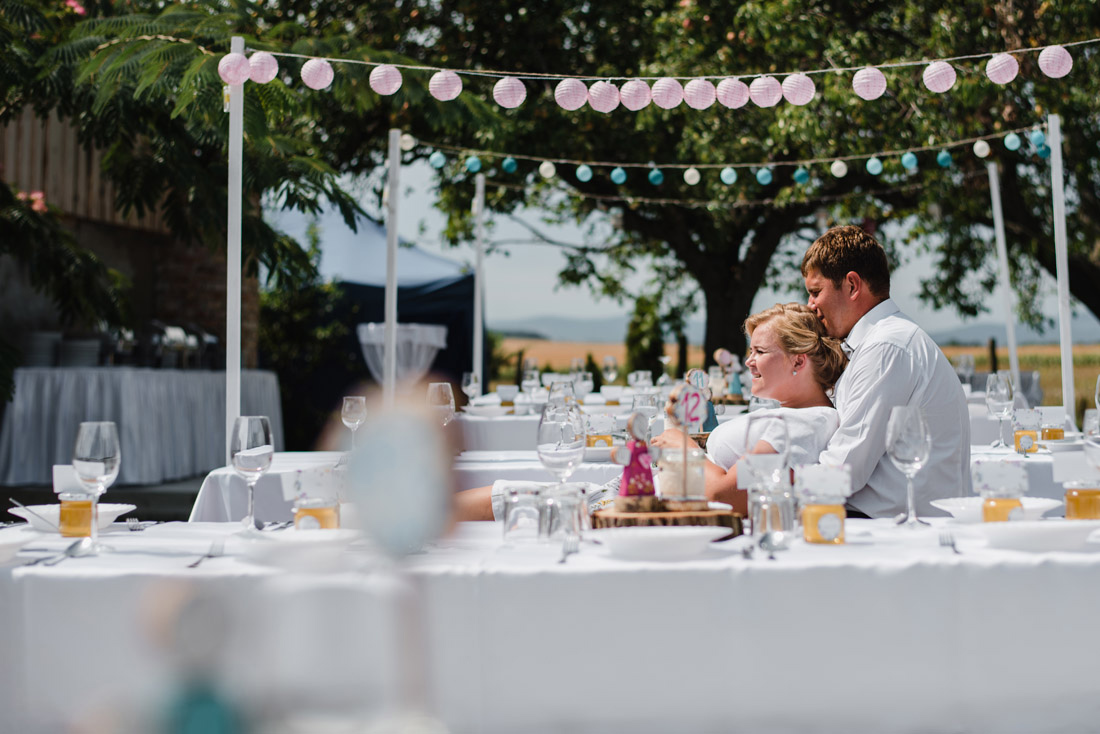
[{"x": 612, "y": 330}]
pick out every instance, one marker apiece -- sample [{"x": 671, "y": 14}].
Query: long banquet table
[
  {"x": 171, "y": 423},
  {"x": 890, "y": 633}
]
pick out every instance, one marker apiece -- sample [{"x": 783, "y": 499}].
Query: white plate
[
  {"x": 486, "y": 411},
  {"x": 720, "y": 506},
  {"x": 108, "y": 513},
  {"x": 969, "y": 509},
  {"x": 1063, "y": 444},
  {"x": 299, "y": 550},
  {"x": 1041, "y": 535},
  {"x": 598, "y": 453},
  {"x": 658, "y": 543}
]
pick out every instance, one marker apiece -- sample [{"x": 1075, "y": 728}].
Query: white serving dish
[
  {"x": 658, "y": 543},
  {"x": 108, "y": 513},
  {"x": 1040, "y": 536},
  {"x": 1063, "y": 444},
  {"x": 969, "y": 509}
]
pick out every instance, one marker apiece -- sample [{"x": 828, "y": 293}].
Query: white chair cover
[{"x": 417, "y": 345}]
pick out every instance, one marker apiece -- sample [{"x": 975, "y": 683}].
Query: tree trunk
[
  {"x": 681, "y": 354},
  {"x": 726, "y": 314}
]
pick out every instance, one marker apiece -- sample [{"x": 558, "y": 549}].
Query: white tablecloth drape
[
  {"x": 417, "y": 345},
  {"x": 171, "y": 423},
  {"x": 890, "y": 634}
]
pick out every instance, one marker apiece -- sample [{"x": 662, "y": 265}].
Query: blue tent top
[{"x": 360, "y": 256}]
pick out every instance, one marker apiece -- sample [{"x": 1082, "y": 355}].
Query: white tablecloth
[
  {"x": 171, "y": 423},
  {"x": 894, "y": 634}
]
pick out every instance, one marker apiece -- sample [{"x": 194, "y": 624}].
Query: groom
[{"x": 892, "y": 361}]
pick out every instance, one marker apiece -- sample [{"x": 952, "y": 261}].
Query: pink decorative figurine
[{"x": 637, "y": 483}]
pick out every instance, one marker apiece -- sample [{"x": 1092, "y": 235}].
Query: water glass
[
  {"x": 523, "y": 510},
  {"x": 564, "y": 512},
  {"x": 531, "y": 382},
  {"x": 908, "y": 444},
  {"x": 353, "y": 413},
  {"x": 647, "y": 404},
  {"x": 96, "y": 460},
  {"x": 441, "y": 400},
  {"x": 561, "y": 438},
  {"x": 1091, "y": 423},
  {"x": 471, "y": 385},
  {"x": 610, "y": 369},
  {"x": 584, "y": 384},
  {"x": 998, "y": 398},
  {"x": 765, "y": 474},
  {"x": 562, "y": 392},
  {"x": 252, "y": 452}
]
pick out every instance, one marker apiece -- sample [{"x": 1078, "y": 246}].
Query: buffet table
[
  {"x": 891, "y": 633},
  {"x": 171, "y": 423}
]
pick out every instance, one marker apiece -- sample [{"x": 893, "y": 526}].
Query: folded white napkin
[{"x": 490, "y": 399}]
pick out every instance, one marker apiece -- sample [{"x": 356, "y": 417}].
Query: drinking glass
[
  {"x": 530, "y": 382},
  {"x": 96, "y": 460},
  {"x": 998, "y": 398},
  {"x": 353, "y": 413},
  {"x": 441, "y": 399},
  {"x": 530, "y": 363},
  {"x": 664, "y": 379},
  {"x": 908, "y": 444},
  {"x": 251, "y": 450},
  {"x": 647, "y": 404},
  {"x": 562, "y": 392},
  {"x": 771, "y": 503},
  {"x": 583, "y": 384},
  {"x": 964, "y": 367},
  {"x": 1091, "y": 421},
  {"x": 560, "y": 445},
  {"x": 576, "y": 366},
  {"x": 1096, "y": 395},
  {"x": 471, "y": 385},
  {"x": 610, "y": 369}
]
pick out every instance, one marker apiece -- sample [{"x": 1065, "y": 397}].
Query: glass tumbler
[{"x": 522, "y": 515}]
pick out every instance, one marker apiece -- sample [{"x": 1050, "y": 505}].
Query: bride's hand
[{"x": 673, "y": 438}]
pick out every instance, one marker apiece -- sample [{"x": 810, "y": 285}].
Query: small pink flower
[
  {"x": 23, "y": 196},
  {"x": 39, "y": 206},
  {"x": 38, "y": 195}
]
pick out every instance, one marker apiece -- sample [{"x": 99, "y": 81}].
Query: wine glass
[
  {"x": 96, "y": 460},
  {"x": 560, "y": 445},
  {"x": 771, "y": 503},
  {"x": 251, "y": 450},
  {"x": 353, "y": 413},
  {"x": 908, "y": 444},
  {"x": 530, "y": 382},
  {"x": 576, "y": 366},
  {"x": 562, "y": 391},
  {"x": 583, "y": 384},
  {"x": 964, "y": 366},
  {"x": 664, "y": 379},
  {"x": 610, "y": 369},
  {"x": 471, "y": 385},
  {"x": 647, "y": 404},
  {"x": 998, "y": 398},
  {"x": 441, "y": 400}
]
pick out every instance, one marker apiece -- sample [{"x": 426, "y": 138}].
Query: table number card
[
  {"x": 991, "y": 475},
  {"x": 66, "y": 480},
  {"x": 823, "y": 480},
  {"x": 318, "y": 481}
]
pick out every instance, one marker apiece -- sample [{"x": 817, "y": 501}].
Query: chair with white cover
[{"x": 417, "y": 345}]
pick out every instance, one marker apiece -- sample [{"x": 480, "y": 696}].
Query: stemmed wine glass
[
  {"x": 646, "y": 404},
  {"x": 664, "y": 379},
  {"x": 965, "y": 368},
  {"x": 583, "y": 384},
  {"x": 96, "y": 460},
  {"x": 1096, "y": 395},
  {"x": 252, "y": 451},
  {"x": 562, "y": 391},
  {"x": 441, "y": 400},
  {"x": 998, "y": 398},
  {"x": 471, "y": 385},
  {"x": 353, "y": 413},
  {"x": 560, "y": 446},
  {"x": 610, "y": 369},
  {"x": 908, "y": 444},
  {"x": 771, "y": 504}
]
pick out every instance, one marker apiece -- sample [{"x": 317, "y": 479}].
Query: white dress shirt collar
[{"x": 866, "y": 323}]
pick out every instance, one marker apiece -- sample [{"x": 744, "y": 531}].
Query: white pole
[
  {"x": 389, "y": 357},
  {"x": 1061, "y": 260},
  {"x": 233, "y": 257},
  {"x": 479, "y": 273},
  {"x": 1002, "y": 261}
]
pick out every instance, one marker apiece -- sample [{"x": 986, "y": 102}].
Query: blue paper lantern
[
  {"x": 764, "y": 176},
  {"x": 801, "y": 175},
  {"x": 437, "y": 160},
  {"x": 656, "y": 177},
  {"x": 1037, "y": 138},
  {"x": 1012, "y": 141},
  {"x": 874, "y": 166},
  {"x": 909, "y": 160},
  {"x": 943, "y": 158},
  {"x": 728, "y": 176},
  {"x": 509, "y": 165},
  {"x": 473, "y": 164},
  {"x": 584, "y": 173},
  {"x": 618, "y": 176},
  {"x": 1043, "y": 151}
]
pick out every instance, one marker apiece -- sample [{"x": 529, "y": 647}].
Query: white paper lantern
[
  {"x": 547, "y": 169},
  {"x": 445, "y": 85},
  {"x": 699, "y": 94},
  {"x": 234, "y": 68},
  {"x": 798, "y": 89},
  {"x": 692, "y": 176},
  {"x": 733, "y": 93},
  {"x": 407, "y": 142},
  {"x": 571, "y": 94},
  {"x": 509, "y": 92},
  {"x": 385, "y": 79},
  {"x": 1002, "y": 68},
  {"x": 635, "y": 95},
  {"x": 839, "y": 169},
  {"x": 667, "y": 93},
  {"x": 981, "y": 149},
  {"x": 603, "y": 96},
  {"x": 869, "y": 83},
  {"x": 317, "y": 74},
  {"x": 766, "y": 91},
  {"x": 939, "y": 76},
  {"x": 263, "y": 67},
  {"x": 1055, "y": 61}
]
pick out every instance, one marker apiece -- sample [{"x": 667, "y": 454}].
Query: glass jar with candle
[
  {"x": 1002, "y": 504},
  {"x": 1052, "y": 431},
  {"x": 1082, "y": 500},
  {"x": 1027, "y": 431},
  {"x": 313, "y": 513},
  {"x": 678, "y": 486},
  {"x": 823, "y": 517},
  {"x": 75, "y": 514}
]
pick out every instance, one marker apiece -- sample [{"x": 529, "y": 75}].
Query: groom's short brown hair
[{"x": 842, "y": 250}]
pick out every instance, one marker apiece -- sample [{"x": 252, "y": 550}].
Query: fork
[
  {"x": 217, "y": 548},
  {"x": 947, "y": 540},
  {"x": 569, "y": 546}
]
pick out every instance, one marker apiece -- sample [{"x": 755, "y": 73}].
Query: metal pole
[
  {"x": 479, "y": 275},
  {"x": 389, "y": 357},
  {"x": 233, "y": 257},
  {"x": 1061, "y": 259},
  {"x": 1002, "y": 262}
]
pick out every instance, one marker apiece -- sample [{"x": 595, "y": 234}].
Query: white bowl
[
  {"x": 486, "y": 411},
  {"x": 969, "y": 509},
  {"x": 1063, "y": 444},
  {"x": 1041, "y": 535},
  {"x": 108, "y": 513},
  {"x": 658, "y": 543},
  {"x": 507, "y": 392}
]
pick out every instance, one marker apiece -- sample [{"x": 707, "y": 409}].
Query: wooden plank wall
[{"x": 43, "y": 155}]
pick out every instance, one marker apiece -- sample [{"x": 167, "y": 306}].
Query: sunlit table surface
[{"x": 890, "y": 633}]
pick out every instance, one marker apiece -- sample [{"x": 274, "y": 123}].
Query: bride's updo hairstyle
[{"x": 799, "y": 331}]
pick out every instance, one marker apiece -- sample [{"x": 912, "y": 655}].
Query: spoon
[
  {"x": 76, "y": 549},
  {"x": 767, "y": 542},
  {"x": 48, "y": 522}
]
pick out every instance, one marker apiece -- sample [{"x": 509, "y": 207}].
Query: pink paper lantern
[
  {"x": 317, "y": 73},
  {"x": 385, "y": 79},
  {"x": 234, "y": 68},
  {"x": 798, "y": 89},
  {"x": 445, "y": 85},
  {"x": 635, "y": 95},
  {"x": 939, "y": 76},
  {"x": 699, "y": 94},
  {"x": 765, "y": 91},
  {"x": 262, "y": 67},
  {"x": 571, "y": 94},
  {"x": 509, "y": 92},
  {"x": 869, "y": 83},
  {"x": 1055, "y": 61},
  {"x": 667, "y": 93},
  {"x": 733, "y": 93},
  {"x": 603, "y": 96},
  {"x": 1002, "y": 68}
]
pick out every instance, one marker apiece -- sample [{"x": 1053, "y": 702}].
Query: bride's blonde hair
[{"x": 799, "y": 331}]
